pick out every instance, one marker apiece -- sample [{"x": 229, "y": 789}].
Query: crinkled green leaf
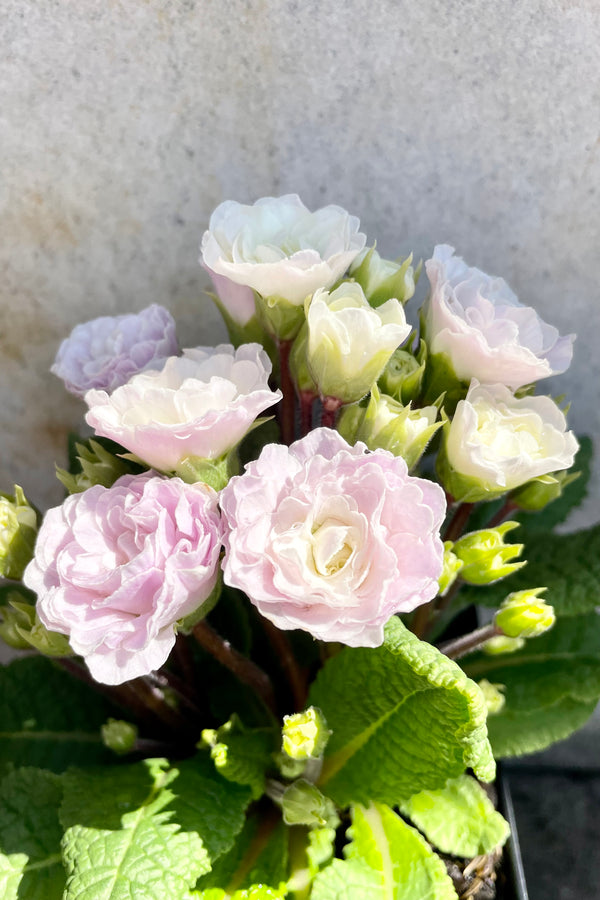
[
  {"x": 242, "y": 754},
  {"x": 258, "y": 856},
  {"x": 47, "y": 718},
  {"x": 30, "y": 835},
  {"x": 551, "y": 686},
  {"x": 148, "y": 857},
  {"x": 386, "y": 860},
  {"x": 567, "y": 564},
  {"x": 404, "y": 717},
  {"x": 459, "y": 819},
  {"x": 256, "y": 892}
]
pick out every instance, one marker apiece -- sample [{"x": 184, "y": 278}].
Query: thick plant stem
[
  {"x": 458, "y": 522},
  {"x": 506, "y": 510},
  {"x": 331, "y": 405},
  {"x": 307, "y": 400},
  {"x": 287, "y": 408},
  {"x": 242, "y": 667},
  {"x": 420, "y": 621},
  {"x": 289, "y": 663},
  {"x": 459, "y": 647}
]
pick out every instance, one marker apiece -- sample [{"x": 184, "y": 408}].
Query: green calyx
[
  {"x": 18, "y": 530},
  {"x": 524, "y": 615},
  {"x": 402, "y": 378},
  {"x": 384, "y": 279},
  {"x": 97, "y": 466},
  {"x": 485, "y": 556},
  {"x": 213, "y": 472}
]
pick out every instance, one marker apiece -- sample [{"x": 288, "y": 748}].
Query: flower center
[{"x": 333, "y": 544}]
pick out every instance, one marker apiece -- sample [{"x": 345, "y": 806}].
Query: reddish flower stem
[
  {"x": 503, "y": 513},
  {"x": 295, "y": 676},
  {"x": 242, "y": 667},
  {"x": 458, "y": 522},
  {"x": 287, "y": 409},
  {"x": 307, "y": 400},
  {"x": 459, "y": 647}
]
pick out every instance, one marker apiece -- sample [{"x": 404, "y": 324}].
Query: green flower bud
[
  {"x": 382, "y": 279},
  {"x": 98, "y": 466},
  {"x": 304, "y": 804},
  {"x": 539, "y": 492},
  {"x": 305, "y": 734},
  {"x": 119, "y": 736},
  {"x": 403, "y": 376},
  {"x": 522, "y": 614},
  {"x": 18, "y": 530},
  {"x": 16, "y": 614},
  {"x": 214, "y": 472},
  {"x": 387, "y": 425},
  {"x": 289, "y": 768},
  {"x": 485, "y": 556},
  {"x": 279, "y": 317},
  {"x": 452, "y": 566},
  {"x": 299, "y": 364},
  {"x": 501, "y": 644},
  {"x": 493, "y": 696}
]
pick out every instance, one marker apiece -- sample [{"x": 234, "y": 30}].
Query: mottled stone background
[{"x": 124, "y": 122}]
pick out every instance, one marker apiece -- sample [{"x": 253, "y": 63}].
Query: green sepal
[
  {"x": 93, "y": 463},
  {"x": 213, "y": 472},
  {"x": 240, "y": 754}
]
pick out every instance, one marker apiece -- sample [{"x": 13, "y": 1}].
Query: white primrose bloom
[
  {"x": 477, "y": 322},
  {"x": 497, "y": 442},
  {"x": 279, "y": 248},
  {"x": 349, "y": 342}
]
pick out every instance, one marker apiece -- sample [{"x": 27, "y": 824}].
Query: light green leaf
[
  {"x": 258, "y": 856},
  {"x": 567, "y": 564},
  {"x": 458, "y": 819},
  {"x": 30, "y": 835},
  {"x": 148, "y": 858},
  {"x": 242, "y": 754},
  {"x": 256, "y": 892},
  {"x": 48, "y": 718},
  {"x": 404, "y": 719},
  {"x": 551, "y": 686},
  {"x": 386, "y": 860}
]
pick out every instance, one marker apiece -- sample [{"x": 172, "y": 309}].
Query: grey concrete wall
[{"x": 124, "y": 122}]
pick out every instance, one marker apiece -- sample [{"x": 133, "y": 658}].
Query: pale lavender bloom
[
  {"x": 201, "y": 404},
  {"x": 279, "y": 248},
  {"x": 115, "y": 568},
  {"x": 104, "y": 353},
  {"x": 477, "y": 322},
  {"x": 332, "y": 539}
]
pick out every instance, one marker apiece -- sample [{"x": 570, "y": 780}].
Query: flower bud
[
  {"x": 387, "y": 425},
  {"x": 493, "y": 696},
  {"x": 452, "y": 566},
  {"x": 382, "y": 279},
  {"x": 305, "y": 734},
  {"x": 18, "y": 529},
  {"x": 485, "y": 556},
  {"x": 304, "y": 804},
  {"x": 539, "y": 492},
  {"x": 349, "y": 342},
  {"x": 119, "y": 736},
  {"x": 15, "y": 614},
  {"x": 501, "y": 644},
  {"x": 523, "y": 615},
  {"x": 403, "y": 376},
  {"x": 299, "y": 364},
  {"x": 98, "y": 466}
]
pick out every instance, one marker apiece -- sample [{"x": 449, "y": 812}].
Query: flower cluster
[{"x": 330, "y": 531}]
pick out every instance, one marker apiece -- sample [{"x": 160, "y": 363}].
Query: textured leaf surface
[
  {"x": 243, "y": 755},
  {"x": 458, "y": 819},
  {"x": 404, "y": 718},
  {"x": 258, "y": 856},
  {"x": 551, "y": 686},
  {"x": 48, "y": 718},
  {"x": 567, "y": 564},
  {"x": 148, "y": 858},
  {"x": 386, "y": 860},
  {"x": 30, "y": 835}
]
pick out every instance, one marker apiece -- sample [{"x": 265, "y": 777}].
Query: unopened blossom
[
  {"x": 279, "y": 248},
  {"x": 497, "y": 442},
  {"x": 200, "y": 404},
  {"x": 105, "y": 352},
  {"x": 115, "y": 569},
  {"x": 349, "y": 342},
  {"x": 332, "y": 539},
  {"x": 476, "y": 322}
]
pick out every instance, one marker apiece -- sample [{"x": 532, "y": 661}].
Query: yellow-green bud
[
  {"x": 387, "y": 425},
  {"x": 403, "y": 376},
  {"x": 452, "y": 566},
  {"x": 382, "y": 279},
  {"x": 21, "y": 628},
  {"x": 18, "y": 530},
  {"x": 119, "y": 736},
  {"x": 304, "y": 804},
  {"x": 493, "y": 696},
  {"x": 305, "y": 734},
  {"x": 523, "y": 614},
  {"x": 485, "y": 556},
  {"x": 539, "y": 492},
  {"x": 501, "y": 644}
]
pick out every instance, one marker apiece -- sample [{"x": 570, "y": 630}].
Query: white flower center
[{"x": 333, "y": 545}]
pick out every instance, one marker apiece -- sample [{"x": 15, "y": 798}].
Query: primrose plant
[{"x": 259, "y": 669}]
